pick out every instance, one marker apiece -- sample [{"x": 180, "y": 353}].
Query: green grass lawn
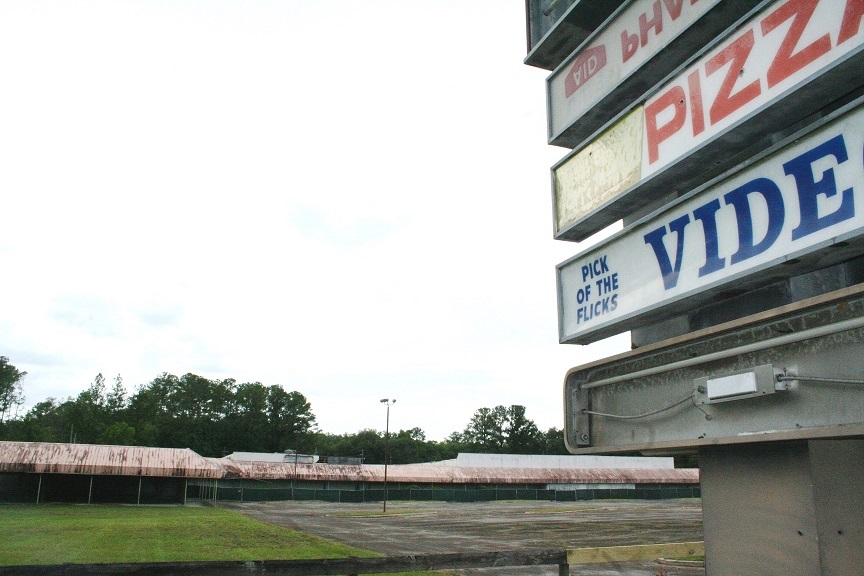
[{"x": 62, "y": 533}]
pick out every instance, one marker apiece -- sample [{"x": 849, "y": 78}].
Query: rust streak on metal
[
  {"x": 462, "y": 475},
  {"x": 39, "y": 457}
]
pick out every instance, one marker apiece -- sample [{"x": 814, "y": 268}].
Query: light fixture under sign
[{"x": 752, "y": 383}]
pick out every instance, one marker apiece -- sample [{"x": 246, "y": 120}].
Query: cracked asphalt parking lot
[{"x": 446, "y": 527}]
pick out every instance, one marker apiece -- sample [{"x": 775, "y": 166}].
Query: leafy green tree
[
  {"x": 410, "y": 446},
  {"x": 154, "y": 412},
  {"x": 486, "y": 430},
  {"x": 145, "y": 412},
  {"x": 90, "y": 414},
  {"x": 95, "y": 393},
  {"x": 246, "y": 426},
  {"x": 39, "y": 424},
  {"x": 553, "y": 442},
  {"x": 215, "y": 417},
  {"x": 147, "y": 435},
  {"x": 522, "y": 435},
  {"x": 115, "y": 401},
  {"x": 405, "y": 447},
  {"x": 457, "y": 439},
  {"x": 289, "y": 416},
  {"x": 11, "y": 394},
  {"x": 367, "y": 443},
  {"x": 500, "y": 430},
  {"x": 450, "y": 447},
  {"x": 118, "y": 434},
  {"x": 192, "y": 412}
]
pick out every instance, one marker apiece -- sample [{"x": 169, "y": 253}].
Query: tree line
[{"x": 216, "y": 417}]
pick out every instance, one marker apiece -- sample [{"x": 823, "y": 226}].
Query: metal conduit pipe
[{"x": 754, "y": 347}]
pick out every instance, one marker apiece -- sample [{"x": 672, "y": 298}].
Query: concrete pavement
[{"x": 444, "y": 527}]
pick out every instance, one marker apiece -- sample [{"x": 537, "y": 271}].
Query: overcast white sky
[{"x": 348, "y": 198}]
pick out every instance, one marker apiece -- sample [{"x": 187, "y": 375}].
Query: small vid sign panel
[
  {"x": 792, "y": 205},
  {"x": 766, "y": 75}
]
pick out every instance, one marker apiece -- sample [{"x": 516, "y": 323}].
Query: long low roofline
[
  {"x": 91, "y": 459},
  {"x": 407, "y": 473},
  {"x": 56, "y": 458}
]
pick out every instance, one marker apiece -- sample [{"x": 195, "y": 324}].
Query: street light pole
[{"x": 388, "y": 402}]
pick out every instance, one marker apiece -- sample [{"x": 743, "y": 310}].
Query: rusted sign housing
[{"x": 648, "y": 400}]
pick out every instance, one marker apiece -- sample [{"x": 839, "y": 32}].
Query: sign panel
[
  {"x": 791, "y": 60},
  {"x": 613, "y": 67},
  {"x": 600, "y": 172},
  {"x": 788, "y": 43},
  {"x": 793, "y": 204}
]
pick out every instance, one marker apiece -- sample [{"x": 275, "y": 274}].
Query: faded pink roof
[
  {"x": 458, "y": 475},
  {"x": 105, "y": 460},
  {"x": 44, "y": 457}
]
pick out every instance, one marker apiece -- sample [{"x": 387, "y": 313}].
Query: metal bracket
[{"x": 581, "y": 420}]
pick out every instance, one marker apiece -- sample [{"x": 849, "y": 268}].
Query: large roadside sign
[
  {"x": 740, "y": 179},
  {"x": 736, "y": 158},
  {"x": 786, "y": 63},
  {"x": 798, "y": 208}
]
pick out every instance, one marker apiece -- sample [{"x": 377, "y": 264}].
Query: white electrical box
[
  {"x": 736, "y": 385},
  {"x": 758, "y": 381}
]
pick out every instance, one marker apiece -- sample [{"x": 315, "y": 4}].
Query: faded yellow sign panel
[{"x": 600, "y": 171}]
